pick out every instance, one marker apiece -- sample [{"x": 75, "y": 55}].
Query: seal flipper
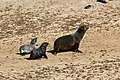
[
  {"x": 53, "y": 52},
  {"x": 45, "y": 56},
  {"x": 75, "y": 48}
]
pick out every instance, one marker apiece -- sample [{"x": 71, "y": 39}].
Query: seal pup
[
  {"x": 70, "y": 42},
  {"x": 39, "y": 52},
  {"x": 26, "y": 48}
]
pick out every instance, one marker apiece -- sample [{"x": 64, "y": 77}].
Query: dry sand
[{"x": 21, "y": 20}]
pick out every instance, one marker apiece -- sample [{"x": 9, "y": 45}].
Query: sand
[{"x": 22, "y": 20}]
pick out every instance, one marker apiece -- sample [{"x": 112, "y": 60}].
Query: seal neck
[
  {"x": 33, "y": 45},
  {"x": 79, "y": 34}
]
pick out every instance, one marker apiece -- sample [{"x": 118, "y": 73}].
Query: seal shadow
[
  {"x": 33, "y": 59},
  {"x": 22, "y": 54},
  {"x": 52, "y": 51}
]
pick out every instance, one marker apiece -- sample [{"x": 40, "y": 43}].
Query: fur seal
[
  {"x": 26, "y": 48},
  {"x": 40, "y": 52},
  {"x": 70, "y": 42}
]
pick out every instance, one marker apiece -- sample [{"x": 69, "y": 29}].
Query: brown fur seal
[{"x": 70, "y": 42}]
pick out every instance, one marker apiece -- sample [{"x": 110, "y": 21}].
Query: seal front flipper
[
  {"x": 45, "y": 56},
  {"x": 76, "y": 50}
]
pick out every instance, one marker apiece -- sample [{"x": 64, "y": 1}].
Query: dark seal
[
  {"x": 39, "y": 52},
  {"x": 103, "y": 1},
  {"x": 70, "y": 42},
  {"x": 87, "y": 7}
]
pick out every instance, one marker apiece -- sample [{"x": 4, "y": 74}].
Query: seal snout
[
  {"x": 34, "y": 40},
  {"x": 87, "y": 27},
  {"x": 83, "y": 27}
]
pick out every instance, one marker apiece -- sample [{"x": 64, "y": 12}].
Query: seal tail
[{"x": 52, "y": 51}]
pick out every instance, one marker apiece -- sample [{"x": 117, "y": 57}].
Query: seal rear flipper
[{"x": 51, "y": 51}]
